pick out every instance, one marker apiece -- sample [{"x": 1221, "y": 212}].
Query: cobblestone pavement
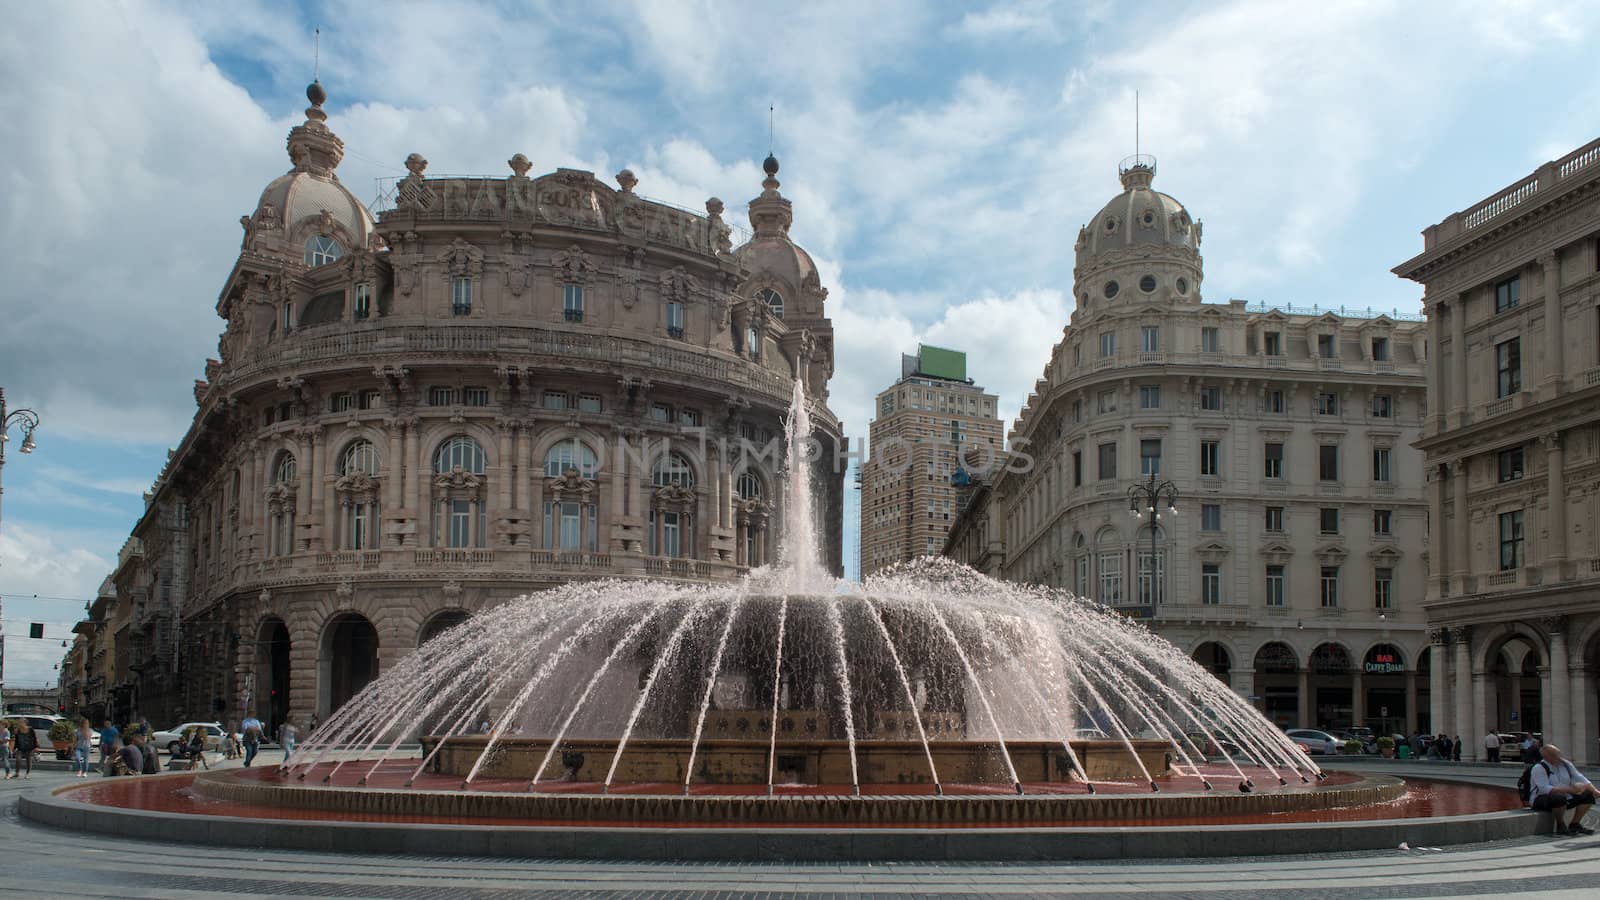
[{"x": 67, "y": 864}]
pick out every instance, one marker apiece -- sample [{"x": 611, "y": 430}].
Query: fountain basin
[{"x": 809, "y": 762}]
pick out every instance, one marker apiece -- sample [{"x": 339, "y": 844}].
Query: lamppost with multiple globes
[
  {"x": 1147, "y": 499},
  {"x": 27, "y": 420}
]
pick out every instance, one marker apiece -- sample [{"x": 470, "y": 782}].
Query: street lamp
[
  {"x": 28, "y": 420},
  {"x": 1148, "y": 499}
]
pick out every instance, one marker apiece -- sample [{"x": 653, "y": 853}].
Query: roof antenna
[
  {"x": 770, "y": 118},
  {"x": 316, "y": 52},
  {"x": 1135, "y": 123}
]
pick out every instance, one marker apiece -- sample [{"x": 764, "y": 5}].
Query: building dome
[
  {"x": 308, "y": 203},
  {"x": 298, "y": 196},
  {"x": 1139, "y": 216}
]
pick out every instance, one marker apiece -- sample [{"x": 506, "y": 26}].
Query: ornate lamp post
[
  {"x": 1147, "y": 500},
  {"x": 28, "y": 420}
]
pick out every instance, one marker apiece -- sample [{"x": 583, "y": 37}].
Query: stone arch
[
  {"x": 347, "y": 659},
  {"x": 440, "y": 621},
  {"x": 550, "y": 437},
  {"x": 273, "y": 670},
  {"x": 337, "y": 448},
  {"x": 1484, "y": 653},
  {"x": 1277, "y": 657},
  {"x": 1335, "y": 648},
  {"x": 1216, "y": 657}
]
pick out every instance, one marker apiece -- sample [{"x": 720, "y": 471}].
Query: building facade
[
  {"x": 1512, "y": 447},
  {"x": 1292, "y": 563},
  {"x": 933, "y": 432},
  {"x": 493, "y": 386}
]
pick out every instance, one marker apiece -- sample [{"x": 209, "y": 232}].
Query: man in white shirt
[
  {"x": 1559, "y": 786},
  {"x": 1491, "y": 747}
]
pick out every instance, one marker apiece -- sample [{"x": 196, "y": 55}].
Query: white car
[
  {"x": 1317, "y": 741},
  {"x": 169, "y": 740}
]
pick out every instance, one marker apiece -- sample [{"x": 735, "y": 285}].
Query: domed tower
[{"x": 1141, "y": 247}]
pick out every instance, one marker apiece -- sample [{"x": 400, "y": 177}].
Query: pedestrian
[
  {"x": 286, "y": 738},
  {"x": 252, "y": 738},
  {"x": 1455, "y": 748},
  {"x": 151, "y": 753},
  {"x": 24, "y": 741},
  {"x": 197, "y": 747},
  {"x": 5, "y": 746},
  {"x": 109, "y": 738},
  {"x": 1491, "y": 747},
  {"x": 311, "y": 727},
  {"x": 130, "y": 757},
  {"x": 81, "y": 748},
  {"x": 1530, "y": 749},
  {"x": 1557, "y": 786}
]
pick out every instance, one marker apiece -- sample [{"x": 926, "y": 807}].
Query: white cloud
[{"x": 52, "y": 564}]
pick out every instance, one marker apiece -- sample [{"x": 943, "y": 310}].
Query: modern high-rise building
[
  {"x": 1290, "y": 560},
  {"x": 934, "y": 432},
  {"x": 1512, "y": 444}
]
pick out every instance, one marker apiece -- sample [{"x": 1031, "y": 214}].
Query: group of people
[
  {"x": 17, "y": 746},
  {"x": 1528, "y": 748},
  {"x": 1437, "y": 746}
]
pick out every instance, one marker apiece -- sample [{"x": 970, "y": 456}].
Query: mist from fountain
[{"x": 790, "y": 655}]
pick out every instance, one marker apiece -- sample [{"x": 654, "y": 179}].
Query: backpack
[
  {"x": 252, "y": 735},
  {"x": 1525, "y": 783}
]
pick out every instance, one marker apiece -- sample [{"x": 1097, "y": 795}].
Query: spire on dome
[
  {"x": 312, "y": 146},
  {"x": 770, "y": 213}
]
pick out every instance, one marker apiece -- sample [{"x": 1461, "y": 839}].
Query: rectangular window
[
  {"x": 1211, "y": 584},
  {"x": 461, "y": 296},
  {"x": 1275, "y": 402},
  {"x": 1210, "y": 458},
  {"x": 1077, "y": 354},
  {"x": 1383, "y": 521},
  {"x": 1209, "y": 340},
  {"x": 1150, "y": 457},
  {"x": 1273, "y": 343},
  {"x": 460, "y": 523},
  {"x": 1325, "y": 346},
  {"x": 1508, "y": 366},
  {"x": 1275, "y": 580},
  {"x": 1330, "y": 587},
  {"x": 1211, "y": 517},
  {"x": 343, "y": 402},
  {"x": 675, "y": 319},
  {"x": 1511, "y": 465},
  {"x": 1211, "y": 398},
  {"x": 1106, "y": 402},
  {"x": 363, "y": 300},
  {"x": 660, "y": 412},
  {"x": 475, "y": 396},
  {"x": 1328, "y": 519},
  {"x": 1108, "y": 344},
  {"x": 752, "y": 344},
  {"x": 1380, "y": 349},
  {"x": 690, "y": 417},
  {"x": 572, "y": 302},
  {"x": 1077, "y": 468},
  {"x": 288, "y": 316},
  {"x": 1327, "y": 404},
  {"x": 371, "y": 399},
  {"x": 1149, "y": 396},
  {"x": 1108, "y": 462},
  {"x": 1149, "y": 339},
  {"x": 441, "y": 396},
  {"x": 1077, "y": 411},
  {"x": 589, "y": 403},
  {"x": 1508, "y": 293},
  {"x": 1274, "y": 461},
  {"x": 555, "y": 400},
  {"x": 1274, "y": 518},
  {"x": 1111, "y": 578},
  {"x": 1328, "y": 462},
  {"x": 1152, "y": 576},
  {"x": 1382, "y": 406},
  {"x": 1380, "y": 464},
  {"x": 1511, "y": 540},
  {"x": 1383, "y": 588}
]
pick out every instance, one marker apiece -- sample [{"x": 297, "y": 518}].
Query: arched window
[
  {"x": 459, "y": 452},
  {"x": 321, "y": 250},
  {"x": 360, "y": 456},
  {"x": 672, "y": 468},
  {"x": 570, "y": 454},
  {"x": 748, "y": 486},
  {"x": 284, "y": 471},
  {"x": 772, "y": 299}
]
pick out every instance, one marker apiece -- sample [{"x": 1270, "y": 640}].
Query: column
[
  {"x": 1558, "y": 728},
  {"x": 1583, "y": 747},
  {"x": 327, "y": 509},
  {"x": 1554, "y": 321},
  {"x": 1440, "y": 708},
  {"x": 1305, "y": 700},
  {"x": 302, "y": 497},
  {"x": 1437, "y": 572},
  {"x": 527, "y": 475},
  {"x": 418, "y": 484},
  {"x": 1474, "y": 725},
  {"x": 1547, "y": 715},
  {"x": 504, "y": 452},
  {"x": 1358, "y": 699},
  {"x": 1462, "y": 719},
  {"x": 1438, "y": 388},
  {"x": 1515, "y": 704},
  {"x": 1458, "y": 361},
  {"x": 1411, "y": 700},
  {"x": 393, "y": 477},
  {"x": 1461, "y": 529},
  {"x": 1556, "y": 545}
]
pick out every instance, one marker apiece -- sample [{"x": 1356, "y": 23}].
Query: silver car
[
  {"x": 1319, "y": 742},
  {"x": 172, "y": 737}
]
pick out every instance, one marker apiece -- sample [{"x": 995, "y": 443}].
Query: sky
[{"x": 940, "y": 157}]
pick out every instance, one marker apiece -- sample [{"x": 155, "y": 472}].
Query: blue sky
[{"x": 940, "y": 157}]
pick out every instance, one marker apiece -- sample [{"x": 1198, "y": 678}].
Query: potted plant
[
  {"x": 1351, "y": 747},
  {"x": 1386, "y": 746},
  {"x": 62, "y": 735}
]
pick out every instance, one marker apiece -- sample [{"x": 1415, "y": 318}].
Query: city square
[{"x": 568, "y": 530}]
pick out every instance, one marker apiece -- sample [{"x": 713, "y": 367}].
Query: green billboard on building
[{"x": 942, "y": 363}]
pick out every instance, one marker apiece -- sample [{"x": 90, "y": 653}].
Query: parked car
[
  {"x": 172, "y": 737},
  {"x": 40, "y": 724},
  {"x": 1316, "y": 742},
  {"x": 1369, "y": 740}
]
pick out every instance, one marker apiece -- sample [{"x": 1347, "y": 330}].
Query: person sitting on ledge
[
  {"x": 1559, "y": 786},
  {"x": 130, "y": 759}
]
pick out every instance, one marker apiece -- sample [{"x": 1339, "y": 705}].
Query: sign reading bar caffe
[{"x": 1384, "y": 660}]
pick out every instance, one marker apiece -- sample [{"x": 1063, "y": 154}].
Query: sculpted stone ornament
[
  {"x": 676, "y": 284},
  {"x": 626, "y": 180},
  {"x": 675, "y": 496},
  {"x": 574, "y": 265},
  {"x": 571, "y": 485},
  {"x": 519, "y": 166},
  {"x": 634, "y": 260},
  {"x": 721, "y": 232},
  {"x": 461, "y": 258},
  {"x": 413, "y": 191}
]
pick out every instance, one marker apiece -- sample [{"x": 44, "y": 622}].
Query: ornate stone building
[
  {"x": 495, "y": 385},
  {"x": 1512, "y": 446},
  {"x": 934, "y": 430},
  {"x": 1293, "y": 566}
]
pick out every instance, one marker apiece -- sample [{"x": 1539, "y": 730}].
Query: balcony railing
[
  {"x": 572, "y": 315},
  {"x": 568, "y": 560}
]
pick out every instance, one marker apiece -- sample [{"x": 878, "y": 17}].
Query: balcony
[
  {"x": 568, "y": 560},
  {"x": 1329, "y": 364},
  {"x": 675, "y": 331},
  {"x": 572, "y": 315},
  {"x": 348, "y": 560},
  {"x": 1152, "y": 358},
  {"x": 451, "y": 557},
  {"x": 668, "y": 567},
  {"x": 1500, "y": 407}
]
